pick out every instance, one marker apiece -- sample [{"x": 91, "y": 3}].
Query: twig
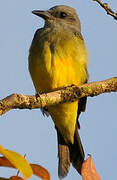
[
  {"x": 67, "y": 94},
  {"x": 107, "y": 9}
]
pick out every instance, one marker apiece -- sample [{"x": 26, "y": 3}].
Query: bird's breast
[{"x": 57, "y": 63}]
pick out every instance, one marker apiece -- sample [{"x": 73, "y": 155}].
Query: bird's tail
[{"x": 69, "y": 153}]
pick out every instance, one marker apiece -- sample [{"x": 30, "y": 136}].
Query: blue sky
[{"x": 27, "y": 131}]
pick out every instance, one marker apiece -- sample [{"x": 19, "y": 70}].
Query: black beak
[{"x": 44, "y": 14}]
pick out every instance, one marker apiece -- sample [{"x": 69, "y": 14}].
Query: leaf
[
  {"x": 16, "y": 178},
  {"x": 37, "y": 169},
  {"x": 88, "y": 170},
  {"x": 5, "y": 162},
  {"x": 18, "y": 161},
  {"x": 40, "y": 172}
]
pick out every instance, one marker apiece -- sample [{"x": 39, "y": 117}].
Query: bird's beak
[{"x": 44, "y": 14}]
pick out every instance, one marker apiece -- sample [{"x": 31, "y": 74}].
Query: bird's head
[{"x": 60, "y": 14}]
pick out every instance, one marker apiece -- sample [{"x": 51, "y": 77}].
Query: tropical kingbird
[{"x": 58, "y": 58}]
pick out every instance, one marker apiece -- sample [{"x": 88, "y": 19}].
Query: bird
[{"x": 58, "y": 58}]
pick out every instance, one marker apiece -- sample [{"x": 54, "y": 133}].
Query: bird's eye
[{"x": 63, "y": 14}]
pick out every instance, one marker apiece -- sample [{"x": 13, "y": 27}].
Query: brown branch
[
  {"x": 107, "y": 9},
  {"x": 67, "y": 94}
]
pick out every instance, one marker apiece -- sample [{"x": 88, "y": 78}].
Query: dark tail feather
[
  {"x": 69, "y": 153},
  {"x": 76, "y": 152},
  {"x": 64, "y": 157}
]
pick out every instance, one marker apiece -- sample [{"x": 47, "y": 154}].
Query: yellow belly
[{"x": 55, "y": 68}]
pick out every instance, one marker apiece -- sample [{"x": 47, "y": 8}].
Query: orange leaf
[
  {"x": 37, "y": 169},
  {"x": 5, "y": 162},
  {"x": 16, "y": 178},
  {"x": 18, "y": 161},
  {"x": 88, "y": 170},
  {"x": 40, "y": 172}
]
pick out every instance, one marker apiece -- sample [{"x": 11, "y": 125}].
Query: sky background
[{"x": 27, "y": 131}]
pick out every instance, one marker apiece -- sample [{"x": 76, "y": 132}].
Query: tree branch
[
  {"x": 67, "y": 94},
  {"x": 107, "y": 9}
]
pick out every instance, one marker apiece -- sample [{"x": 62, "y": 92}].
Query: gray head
[{"x": 60, "y": 14}]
